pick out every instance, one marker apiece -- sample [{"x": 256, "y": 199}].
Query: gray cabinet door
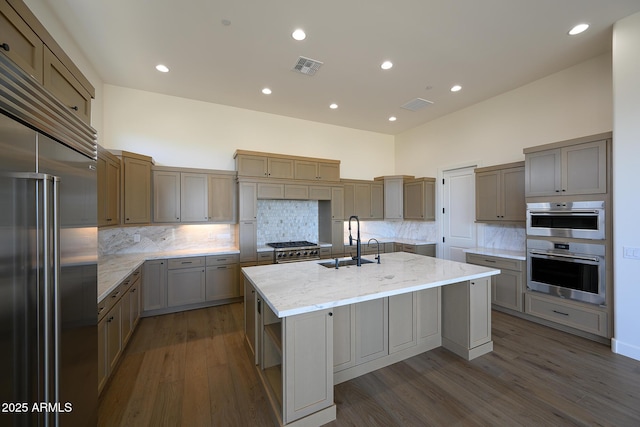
[
  {"x": 306, "y": 170},
  {"x": 222, "y": 282},
  {"x": 543, "y": 173},
  {"x": 507, "y": 290},
  {"x": 377, "y": 201},
  {"x": 337, "y": 203},
  {"x": 413, "y": 200},
  {"x": 194, "y": 206},
  {"x": 372, "y": 330},
  {"x": 479, "y": 312},
  {"x": 154, "y": 284},
  {"x": 393, "y": 195},
  {"x": 402, "y": 322},
  {"x": 248, "y": 165},
  {"x": 584, "y": 168},
  {"x": 185, "y": 286},
  {"x": 280, "y": 168},
  {"x": 166, "y": 196},
  {"x": 248, "y": 201},
  {"x": 222, "y": 198},
  {"x": 487, "y": 196},
  {"x": 428, "y": 307},
  {"x": 248, "y": 239},
  {"x": 137, "y": 191},
  {"x": 308, "y": 356},
  {"x": 250, "y": 318},
  {"x": 328, "y": 171},
  {"x": 512, "y": 199},
  {"x": 362, "y": 200},
  {"x": 344, "y": 345}
]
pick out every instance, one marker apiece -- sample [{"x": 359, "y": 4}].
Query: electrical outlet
[
  {"x": 136, "y": 238},
  {"x": 631, "y": 253}
]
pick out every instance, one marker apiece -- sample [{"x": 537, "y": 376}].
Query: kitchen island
[{"x": 309, "y": 327}]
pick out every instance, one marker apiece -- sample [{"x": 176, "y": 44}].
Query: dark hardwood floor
[{"x": 192, "y": 369}]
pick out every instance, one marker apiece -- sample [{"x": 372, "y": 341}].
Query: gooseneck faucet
[
  {"x": 358, "y": 256},
  {"x": 377, "y": 246}
]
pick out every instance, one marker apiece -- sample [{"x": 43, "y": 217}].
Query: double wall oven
[{"x": 566, "y": 250}]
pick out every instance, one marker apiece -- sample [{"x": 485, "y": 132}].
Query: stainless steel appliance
[
  {"x": 567, "y": 269},
  {"x": 294, "y": 251},
  {"x": 580, "y": 220},
  {"x": 48, "y": 258}
]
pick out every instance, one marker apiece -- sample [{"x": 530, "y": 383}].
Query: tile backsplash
[
  {"x": 159, "y": 238},
  {"x": 285, "y": 220}
]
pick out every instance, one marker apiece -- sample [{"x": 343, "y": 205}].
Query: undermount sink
[{"x": 344, "y": 263}]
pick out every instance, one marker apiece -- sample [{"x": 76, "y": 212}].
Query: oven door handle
[
  {"x": 554, "y": 255},
  {"x": 575, "y": 212}
]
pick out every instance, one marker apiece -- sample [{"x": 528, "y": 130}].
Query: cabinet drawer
[
  {"x": 186, "y": 262},
  {"x": 265, "y": 257},
  {"x": 325, "y": 253},
  {"x": 565, "y": 313},
  {"x": 270, "y": 191},
  {"x": 222, "y": 259},
  {"x": 319, "y": 193},
  {"x": 496, "y": 262}
]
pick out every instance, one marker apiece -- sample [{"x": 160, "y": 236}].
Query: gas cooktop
[{"x": 291, "y": 245}]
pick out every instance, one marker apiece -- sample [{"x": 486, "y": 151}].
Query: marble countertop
[
  {"x": 113, "y": 269},
  {"x": 501, "y": 253},
  {"x": 304, "y": 287}
]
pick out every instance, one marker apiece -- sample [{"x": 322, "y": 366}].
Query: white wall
[
  {"x": 572, "y": 103},
  {"x": 626, "y": 201},
  {"x": 183, "y": 132}
]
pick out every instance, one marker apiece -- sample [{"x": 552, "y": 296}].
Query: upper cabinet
[
  {"x": 136, "y": 188},
  {"x": 420, "y": 199},
  {"x": 500, "y": 193},
  {"x": 365, "y": 199},
  {"x": 193, "y": 195},
  {"x": 281, "y": 166},
  {"x": 19, "y": 42},
  {"x": 26, "y": 42},
  {"x": 572, "y": 167},
  {"x": 393, "y": 196},
  {"x": 108, "y": 171}
]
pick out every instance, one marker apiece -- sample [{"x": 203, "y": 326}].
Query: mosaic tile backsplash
[{"x": 284, "y": 220}]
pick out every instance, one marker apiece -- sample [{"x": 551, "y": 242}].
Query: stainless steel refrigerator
[{"x": 48, "y": 258}]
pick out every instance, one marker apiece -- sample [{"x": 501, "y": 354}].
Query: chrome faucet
[
  {"x": 358, "y": 256},
  {"x": 377, "y": 246}
]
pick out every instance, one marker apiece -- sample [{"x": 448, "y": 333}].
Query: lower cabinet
[
  {"x": 118, "y": 316},
  {"x": 507, "y": 288},
  {"x": 372, "y": 330},
  {"x": 177, "y": 284},
  {"x": 222, "y": 275},
  {"x": 466, "y": 318},
  {"x": 299, "y": 387}
]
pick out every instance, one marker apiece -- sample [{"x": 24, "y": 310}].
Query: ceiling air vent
[
  {"x": 416, "y": 104},
  {"x": 307, "y": 66}
]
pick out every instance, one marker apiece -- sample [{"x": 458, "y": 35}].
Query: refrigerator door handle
[{"x": 51, "y": 269}]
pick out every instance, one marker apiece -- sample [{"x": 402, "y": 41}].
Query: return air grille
[
  {"x": 416, "y": 104},
  {"x": 307, "y": 66}
]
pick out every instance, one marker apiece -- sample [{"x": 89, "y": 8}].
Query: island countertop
[{"x": 304, "y": 287}]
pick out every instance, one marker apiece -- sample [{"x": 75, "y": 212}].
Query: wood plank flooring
[{"x": 191, "y": 369}]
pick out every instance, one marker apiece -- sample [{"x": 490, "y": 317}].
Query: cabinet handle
[
  {"x": 101, "y": 310},
  {"x": 115, "y": 295},
  {"x": 222, "y": 267},
  {"x": 490, "y": 260},
  {"x": 5, "y": 46},
  {"x": 74, "y": 108},
  {"x": 187, "y": 262},
  {"x": 330, "y": 313},
  {"x": 133, "y": 290},
  {"x": 109, "y": 319},
  {"x": 559, "y": 312},
  {"x": 473, "y": 283}
]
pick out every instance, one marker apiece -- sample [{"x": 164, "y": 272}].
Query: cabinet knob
[
  {"x": 5, "y": 47},
  {"x": 330, "y": 313},
  {"x": 74, "y": 108}
]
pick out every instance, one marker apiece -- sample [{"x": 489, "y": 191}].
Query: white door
[{"x": 459, "y": 213}]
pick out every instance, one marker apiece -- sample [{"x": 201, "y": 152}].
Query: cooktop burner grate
[{"x": 295, "y": 244}]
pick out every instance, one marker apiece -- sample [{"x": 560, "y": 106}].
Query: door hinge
[
  {"x": 442, "y": 181},
  {"x": 442, "y": 239},
  {"x": 442, "y": 210}
]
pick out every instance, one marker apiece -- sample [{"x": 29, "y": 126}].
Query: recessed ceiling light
[
  {"x": 455, "y": 88},
  {"x": 266, "y": 91},
  {"x": 392, "y": 119},
  {"x": 578, "y": 29},
  {"x": 162, "y": 68},
  {"x": 386, "y": 65},
  {"x": 299, "y": 34},
  {"x": 333, "y": 106}
]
